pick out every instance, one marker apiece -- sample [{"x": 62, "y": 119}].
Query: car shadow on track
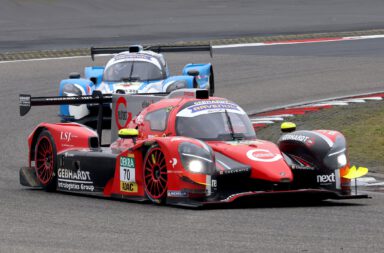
[
  {"x": 278, "y": 203},
  {"x": 246, "y": 204}
]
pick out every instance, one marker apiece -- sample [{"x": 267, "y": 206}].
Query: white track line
[
  {"x": 48, "y": 59},
  {"x": 298, "y": 41},
  {"x": 288, "y": 42}
]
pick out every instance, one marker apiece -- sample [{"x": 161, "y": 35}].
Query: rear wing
[
  {"x": 157, "y": 49},
  {"x": 26, "y": 102},
  {"x": 122, "y": 114}
]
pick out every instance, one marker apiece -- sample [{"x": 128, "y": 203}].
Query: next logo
[{"x": 326, "y": 178}]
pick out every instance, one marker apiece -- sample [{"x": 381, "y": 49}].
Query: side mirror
[
  {"x": 74, "y": 75},
  {"x": 128, "y": 133},
  {"x": 287, "y": 127},
  {"x": 193, "y": 72},
  {"x": 93, "y": 80}
]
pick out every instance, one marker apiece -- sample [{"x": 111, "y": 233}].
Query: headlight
[
  {"x": 196, "y": 166},
  {"x": 71, "y": 90},
  {"x": 341, "y": 160},
  {"x": 196, "y": 159},
  {"x": 177, "y": 85},
  {"x": 337, "y": 157}
]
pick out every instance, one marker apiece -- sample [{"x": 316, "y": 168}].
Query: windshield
[
  {"x": 214, "y": 124},
  {"x": 132, "y": 71}
]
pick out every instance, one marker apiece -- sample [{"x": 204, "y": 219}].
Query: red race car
[{"x": 184, "y": 148}]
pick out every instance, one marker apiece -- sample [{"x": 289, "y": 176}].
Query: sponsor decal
[
  {"x": 25, "y": 101},
  {"x": 74, "y": 180},
  {"x": 128, "y": 87},
  {"x": 209, "y": 106},
  {"x": 67, "y": 145},
  {"x": 126, "y": 57},
  {"x": 328, "y": 132},
  {"x": 189, "y": 94},
  {"x": 326, "y": 179},
  {"x": 178, "y": 139},
  {"x": 122, "y": 116},
  {"x": 231, "y": 197},
  {"x": 73, "y": 175},
  {"x": 245, "y": 142},
  {"x": 169, "y": 108},
  {"x": 196, "y": 191},
  {"x": 173, "y": 162},
  {"x": 301, "y": 167},
  {"x": 66, "y": 136},
  {"x": 233, "y": 171},
  {"x": 208, "y": 186},
  {"x": 175, "y": 172},
  {"x": 177, "y": 194},
  {"x": 128, "y": 161},
  {"x": 263, "y": 155},
  {"x": 128, "y": 173},
  {"x": 297, "y": 137},
  {"x": 139, "y": 119},
  {"x": 128, "y": 187},
  {"x": 310, "y": 142},
  {"x": 124, "y": 85},
  {"x": 146, "y": 103},
  {"x": 132, "y": 56},
  {"x": 198, "y": 108}
]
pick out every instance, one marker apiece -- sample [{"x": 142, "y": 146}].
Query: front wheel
[
  {"x": 46, "y": 161},
  {"x": 155, "y": 175}
]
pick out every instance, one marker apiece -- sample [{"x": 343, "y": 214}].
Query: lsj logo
[{"x": 65, "y": 136}]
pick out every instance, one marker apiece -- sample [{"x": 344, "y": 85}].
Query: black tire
[
  {"x": 211, "y": 83},
  {"x": 155, "y": 175},
  {"x": 46, "y": 161}
]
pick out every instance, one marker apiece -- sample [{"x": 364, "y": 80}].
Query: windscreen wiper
[
  {"x": 230, "y": 126},
  {"x": 130, "y": 73},
  {"x": 234, "y": 136}
]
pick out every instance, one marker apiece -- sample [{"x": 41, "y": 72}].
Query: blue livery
[{"x": 132, "y": 70}]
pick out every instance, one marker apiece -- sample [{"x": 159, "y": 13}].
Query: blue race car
[{"x": 133, "y": 69}]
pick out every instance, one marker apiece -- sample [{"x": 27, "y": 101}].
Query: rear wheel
[
  {"x": 155, "y": 175},
  {"x": 46, "y": 161},
  {"x": 211, "y": 83}
]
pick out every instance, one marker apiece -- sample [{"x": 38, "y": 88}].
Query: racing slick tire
[
  {"x": 211, "y": 87},
  {"x": 46, "y": 161},
  {"x": 155, "y": 175}
]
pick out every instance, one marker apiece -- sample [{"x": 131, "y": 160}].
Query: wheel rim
[
  {"x": 155, "y": 174},
  {"x": 44, "y": 160}
]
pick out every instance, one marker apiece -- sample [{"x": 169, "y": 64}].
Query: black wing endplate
[
  {"x": 157, "y": 49},
  {"x": 24, "y": 104}
]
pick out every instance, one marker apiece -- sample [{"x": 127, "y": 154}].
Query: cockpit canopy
[
  {"x": 133, "y": 70},
  {"x": 214, "y": 120}
]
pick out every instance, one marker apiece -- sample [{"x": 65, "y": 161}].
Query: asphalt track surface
[
  {"x": 58, "y": 24},
  {"x": 33, "y": 220},
  {"x": 256, "y": 78}
]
